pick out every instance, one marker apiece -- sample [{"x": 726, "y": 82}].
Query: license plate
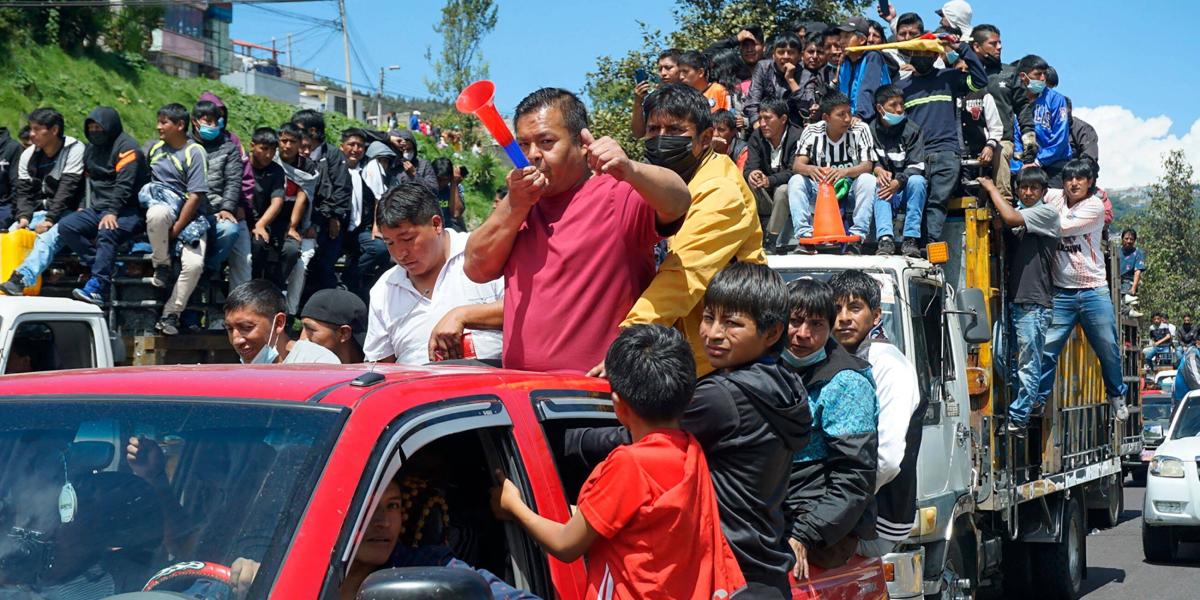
[{"x": 1147, "y": 455}]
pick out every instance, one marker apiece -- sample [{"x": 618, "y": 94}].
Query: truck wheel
[
  {"x": 956, "y": 570},
  {"x": 1058, "y": 567},
  {"x": 1109, "y": 516},
  {"x": 1015, "y": 569},
  {"x": 1158, "y": 543}
]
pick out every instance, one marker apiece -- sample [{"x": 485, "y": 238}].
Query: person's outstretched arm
[{"x": 564, "y": 541}]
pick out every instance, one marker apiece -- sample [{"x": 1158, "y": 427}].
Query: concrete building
[{"x": 194, "y": 40}]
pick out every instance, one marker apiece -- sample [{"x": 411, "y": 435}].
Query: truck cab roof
[
  {"x": 842, "y": 261},
  {"x": 10, "y": 308}
]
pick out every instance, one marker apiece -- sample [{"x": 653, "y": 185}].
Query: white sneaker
[
  {"x": 1120, "y": 411},
  {"x": 1137, "y": 314},
  {"x": 1130, "y": 299}
]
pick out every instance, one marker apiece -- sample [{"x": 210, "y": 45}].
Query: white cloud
[{"x": 1131, "y": 148}]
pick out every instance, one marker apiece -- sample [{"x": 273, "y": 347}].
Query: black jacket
[
  {"x": 759, "y": 158},
  {"x": 767, "y": 83},
  {"x": 899, "y": 150},
  {"x": 1085, "y": 143},
  {"x": 333, "y": 187},
  {"x": 54, "y": 185},
  {"x": 224, "y": 174},
  {"x": 10, "y": 155},
  {"x": 1004, "y": 84},
  {"x": 422, "y": 169},
  {"x": 750, "y": 422},
  {"x": 832, "y": 484},
  {"x": 115, "y": 165}
]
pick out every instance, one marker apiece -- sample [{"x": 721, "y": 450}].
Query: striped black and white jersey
[{"x": 855, "y": 146}]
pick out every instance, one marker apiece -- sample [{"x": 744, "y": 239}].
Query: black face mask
[
  {"x": 923, "y": 64},
  {"x": 673, "y": 152},
  {"x": 97, "y": 138}
]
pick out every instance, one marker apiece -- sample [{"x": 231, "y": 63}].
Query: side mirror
[
  {"x": 972, "y": 316},
  {"x": 424, "y": 583}
]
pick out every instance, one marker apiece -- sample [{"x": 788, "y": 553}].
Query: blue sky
[{"x": 1123, "y": 71}]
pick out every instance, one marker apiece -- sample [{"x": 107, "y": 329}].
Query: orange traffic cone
[{"x": 827, "y": 220}]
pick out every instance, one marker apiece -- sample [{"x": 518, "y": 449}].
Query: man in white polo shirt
[{"x": 421, "y": 308}]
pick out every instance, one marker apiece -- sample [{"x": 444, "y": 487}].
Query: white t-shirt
[
  {"x": 306, "y": 352},
  {"x": 1079, "y": 260},
  {"x": 401, "y": 319}
]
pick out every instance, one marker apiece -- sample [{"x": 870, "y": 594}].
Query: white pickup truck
[{"x": 48, "y": 334}]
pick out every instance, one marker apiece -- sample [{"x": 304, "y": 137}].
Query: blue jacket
[
  {"x": 859, "y": 81},
  {"x": 1052, "y": 124},
  {"x": 929, "y": 101}
]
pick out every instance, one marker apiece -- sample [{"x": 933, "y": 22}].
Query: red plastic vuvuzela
[{"x": 478, "y": 99}]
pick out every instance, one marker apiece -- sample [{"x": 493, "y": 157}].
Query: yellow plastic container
[{"x": 14, "y": 247}]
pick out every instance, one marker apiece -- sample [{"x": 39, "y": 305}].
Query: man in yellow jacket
[{"x": 721, "y": 225}]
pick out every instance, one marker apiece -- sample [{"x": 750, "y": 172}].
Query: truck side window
[
  {"x": 926, "y": 301},
  {"x": 50, "y": 346}
]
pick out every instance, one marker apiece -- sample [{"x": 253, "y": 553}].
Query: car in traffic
[
  {"x": 1156, "y": 419},
  {"x": 1171, "y": 511},
  {"x": 264, "y": 481}
]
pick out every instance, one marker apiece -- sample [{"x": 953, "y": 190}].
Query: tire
[
  {"x": 956, "y": 568},
  {"x": 1159, "y": 543},
  {"x": 1015, "y": 569},
  {"x": 1109, "y": 516},
  {"x": 1058, "y": 567}
]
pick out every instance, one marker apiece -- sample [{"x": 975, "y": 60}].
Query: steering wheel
[{"x": 194, "y": 579}]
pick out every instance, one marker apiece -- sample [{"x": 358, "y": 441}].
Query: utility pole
[
  {"x": 291, "y": 69},
  {"x": 379, "y": 107},
  {"x": 346, "y": 49}
]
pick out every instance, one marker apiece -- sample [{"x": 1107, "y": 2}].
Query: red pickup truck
[{"x": 282, "y": 465}]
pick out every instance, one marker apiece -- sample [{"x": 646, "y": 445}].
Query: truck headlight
[{"x": 1166, "y": 466}]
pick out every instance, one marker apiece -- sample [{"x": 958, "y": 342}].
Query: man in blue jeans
[
  {"x": 900, "y": 172},
  {"x": 1081, "y": 294},
  {"x": 1030, "y": 242}
]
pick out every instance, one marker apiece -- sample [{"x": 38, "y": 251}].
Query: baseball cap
[
  {"x": 857, "y": 25},
  {"x": 958, "y": 13},
  {"x": 339, "y": 307}
]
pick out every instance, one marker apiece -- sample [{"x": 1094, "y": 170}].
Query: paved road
[{"x": 1118, "y": 571}]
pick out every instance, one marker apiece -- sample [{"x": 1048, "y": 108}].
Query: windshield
[
  {"x": 99, "y": 497},
  {"x": 889, "y": 326},
  {"x": 1156, "y": 411},
  {"x": 1188, "y": 421}
]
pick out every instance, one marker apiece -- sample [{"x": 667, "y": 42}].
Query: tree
[
  {"x": 464, "y": 24},
  {"x": 1167, "y": 233}
]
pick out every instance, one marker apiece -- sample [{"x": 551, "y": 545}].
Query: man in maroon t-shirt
[{"x": 574, "y": 239}]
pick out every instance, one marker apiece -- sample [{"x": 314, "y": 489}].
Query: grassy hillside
[{"x": 32, "y": 76}]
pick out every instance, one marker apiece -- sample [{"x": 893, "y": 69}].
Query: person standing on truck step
[
  {"x": 901, "y": 408},
  {"x": 49, "y": 186},
  {"x": 574, "y": 238},
  {"x": 337, "y": 320},
  {"x": 421, "y": 308},
  {"x": 174, "y": 201},
  {"x": 750, "y": 415},
  {"x": 721, "y": 225},
  {"x": 116, "y": 169},
  {"x": 330, "y": 202},
  {"x": 1133, "y": 264},
  {"x": 1081, "y": 293},
  {"x": 256, "y": 323},
  {"x": 1031, "y": 240},
  {"x": 660, "y": 536},
  {"x": 831, "y": 491}
]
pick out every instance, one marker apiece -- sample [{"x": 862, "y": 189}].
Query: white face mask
[
  {"x": 269, "y": 353},
  {"x": 409, "y": 155}
]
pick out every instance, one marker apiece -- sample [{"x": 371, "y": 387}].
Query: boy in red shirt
[{"x": 660, "y": 535}]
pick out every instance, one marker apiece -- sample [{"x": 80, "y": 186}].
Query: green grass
[{"x": 32, "y": 76}]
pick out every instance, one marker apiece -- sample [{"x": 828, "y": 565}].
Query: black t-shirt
[
  {"x": 268, "y": 184},
  {"x": 1031, "y": 256}
]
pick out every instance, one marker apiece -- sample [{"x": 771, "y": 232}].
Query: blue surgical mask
[
  {"x": 1036, "y": 86},
  {"x": 951, "y": 58},
  {"x": 269, "y": 353},
  {"x": 891, "y": 119},
  {"x": 209, "y": 133},
  {"x": 803, "y": 362}
]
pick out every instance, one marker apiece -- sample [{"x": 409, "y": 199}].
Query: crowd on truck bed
[{"x": 776, "y": 415}]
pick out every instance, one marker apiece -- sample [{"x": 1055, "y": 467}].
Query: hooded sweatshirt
[
  {"x": 247, "y": 172},
  {"x": 750, "y": 422},
  {"x": 422, "y": 169},
  {"x": 115, "y": 165}
]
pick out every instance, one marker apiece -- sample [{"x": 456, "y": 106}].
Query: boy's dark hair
[
  {"x": 786, "y": 39},
  {"x": 1032, "y": 176},
  {"x": 888, "y": 92},
  {"x": 442, "y": 168},
  {"x": 726, "y": 118},
  {"x": 853, "y": 283},
  {"x": 1130, "y": 231},
  {"x": 682, "y": 102},
  {"x": 175, "y": 113},
  {"x": 811, "y": 298},
  {"x": 833, "y": 100},
  {"x": 752, "y": 289},
  {"x": 1032, "y": 62},
  {"x": 1079, "y": 167},
  {"x": 775, "y": 106},
  {"x": 910, "y": 18},
  {"x": 950, "y": 29},
  {"x": 24, "y": 133},
  {"x": 670, "y": 53},
  {"x": 878, "y": 27},
  {"x": 48, "y": 117},
  {"x": 355, "y": 132},
  {"x": 291, "y": 129},
  {"x": 574, "y": 113},
  {"x": 502, "y": 191},
  {"x": 695, "y": 60},
  {"x": 407, "y": 202},
  {"x": 1052, "y": 78},
  {"x": 265, "y": 136},
  {"x": 828, "y": 33},
  {"x": 755, "y": 30},
  {"x": 205, "y": 109},
  {"x": 814, "y": 38},
  {"x": 652, "y": 369},
  {"x": 258, "y": 295},
  {"x": 309, "y": 119},
  {"x": 981, "y": 33}
]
